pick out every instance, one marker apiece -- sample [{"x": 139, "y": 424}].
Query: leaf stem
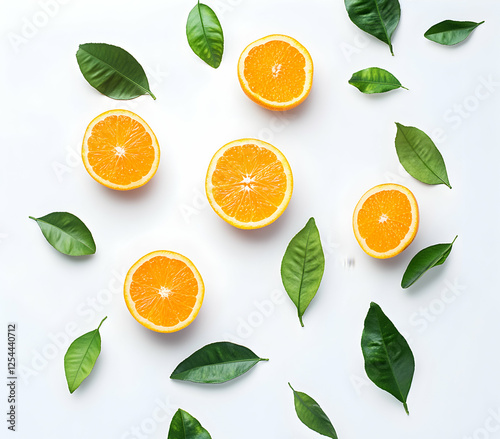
[
  {"x": 101, "y": 323},
  {"x": 453, "y": 242},
  {"x": 34, "y": 219},
  {"x": 152, "y": 95},
  {"x": 406, "y": 408},
  {"x": 300, "y": 320}
]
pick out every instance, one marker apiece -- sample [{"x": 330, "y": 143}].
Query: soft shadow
[
  {"x": 131, "y": 195},
  {"x": 259, "y": 235},
  {"x": 429, "y": 282},
  {"x": 174, "y": 339}
]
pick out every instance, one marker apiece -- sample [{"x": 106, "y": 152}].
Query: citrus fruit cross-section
[
  {"x": 385, "y": 220},
  {"x": 164, "y": 291},
  {"x": 276, "y": 72},
  {"x": 120, "y": 150},
  {"x": 249, "y": 183}
]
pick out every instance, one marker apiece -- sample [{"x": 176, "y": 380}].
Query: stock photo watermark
[
  {"x": 89, "y": 310},
  {"x": 29, "y": 26},
  {"x": 12, "y": 398},
  {"x": 489, "y": 428},
  {"x": 426, "y": 315},
  {"x": 163, "y": 410},
  {"x": 461, "y": 111}
]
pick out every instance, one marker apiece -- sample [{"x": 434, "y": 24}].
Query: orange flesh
[
  {"x": 384, "y": 220},
  {"x": 164, "y": 291},
  {"x": 120, "y": 150},
  {"x": 275, "y": 71},
  {"x": 249, "y": 183}
]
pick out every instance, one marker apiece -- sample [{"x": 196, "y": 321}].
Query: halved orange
[
  {"x": 120, "y": 150},
  {"x": 249, "y": 183},
  {"x": 385, "y": 220},
  {"x": 276, "y": 72},
  {"x": 164, "y": 291}
]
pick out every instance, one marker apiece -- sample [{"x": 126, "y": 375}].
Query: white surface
[{"x": 339, "y": 143}]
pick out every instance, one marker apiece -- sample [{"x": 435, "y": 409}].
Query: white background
[{"x": 339, "y": 143}]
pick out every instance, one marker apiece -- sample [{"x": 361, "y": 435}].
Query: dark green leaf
[
  {"x": 420, "y": 157},
  {"x": 67, "y": 233},
  {"x": 311, "y": 414},
  {"x": 112, "y": 71},
  {"x": 302, "y": 267},
  {"x": 376, "y": 17},
  {"x": 375, "y": 80},
  {"x": 204, "y": 34},
  {"x": 425, "y": 260},
  {"x": 81, "y": 357},
  {"x": 184, "y": 426},
  {"x": 451, "y": 32},
  {"x": 216, "y": 363},
  {"x": 389, "y": 362}
]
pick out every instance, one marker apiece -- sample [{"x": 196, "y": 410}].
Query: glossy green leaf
[
  {"x": 66, "y": 233},
  {"x": 184, "y": 426},
  {"x": 216, "y": 363},
  {"x": 451, "y": 32},
  {"x": 112, "y": 71},
  {"x": 389, "y": 361},
  {"x": 420, "y": 157},
  {"x": 204, "y": 34},
  {"x": 376, "y": 17},
  {"x": 81, "y": 357},
  {"x": 375, "y": 80},
  {"x": 303, "y": 266},
  {"x": 424, "y": 260},
  {"x": 312, "y": 415}
]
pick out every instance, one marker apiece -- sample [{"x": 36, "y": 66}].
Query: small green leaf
[
  {"x": 112, "y": 71},
  {"x": 303, "y": 266},
  {"x": 375, "y": 80},
  {"x": 216, "y": 363},
  {"x": 419, "y": 156},
  {"x": 81, "y": 357},
  {"x": 311, "y": 414},
  {"x": 389, "y": 361},
  {"x": 424, "y": 260},
  {"x": 204, "y": 34},
  {"x": 66, "y": 233},
  {"x": 184, "y": 426},
  {"x": 451, "y": 32},
  {"x": 376, "y": 17}
]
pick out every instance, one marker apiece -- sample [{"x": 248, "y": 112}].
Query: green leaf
[
  {"x": 184, "y": 426},
  {"x": 425, "y": 260},
  {"x": 302, "y": 267},
  {"x": 375, "y": 80},
  {"x": 451, "y": 32},
  {"x": 216, "y": 363},
  {"x": 66, "y": 233},
  {"x": 376, "y": 17},
  {"x": 112, "y": 71},
  {"x": 204, "y": 34},
  {"x": 311, "y": 414},
  {"x": 81, "y": 357},
  {"x": 389, "y": 362},
  {"x": 420, "y": 157}
]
